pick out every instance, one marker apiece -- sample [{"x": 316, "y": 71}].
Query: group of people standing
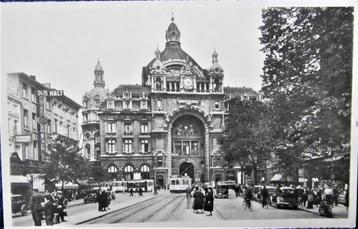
[
  {"x": 203, "y": 200},
  {"x": 104, "y": 199},
  {"x": 50, "y": 205}
]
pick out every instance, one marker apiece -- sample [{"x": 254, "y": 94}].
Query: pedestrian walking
[
  {"x": 140, "y": 192},
  {"x": 36, "y": 207},
  {"x": 248, "y": 197},
  {"x": 131, "y": 192},
  {"x": 49, "y": 209},
  {"x": 99, "y": 200},
  {"x": 264, "y": 195},
  {"x": 304, "y": 197},
  {"x": 198, "y": 201},
  {"x": 209, "y": 201},
  {"x": 310, "y": 198},
  {"x": 335, "y": 195},
  {"x": 346, "y": 198},
  {"x": 188, "y": 197},
  {"x": 62, "y": 203}
]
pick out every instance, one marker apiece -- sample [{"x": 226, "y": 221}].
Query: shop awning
[{"x": 19, "y": 179}]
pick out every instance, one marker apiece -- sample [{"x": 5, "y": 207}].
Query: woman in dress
[{"x": 209, "y": 201}]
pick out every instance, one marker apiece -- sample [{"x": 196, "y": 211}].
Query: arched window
[
  {"x": 88, "y": 150},
  {"x": 128, "y": 169},
  {"x": 112, "y": 169},
  {"x": 144, "y": 170},
  {"x": 128, "y": 172}
]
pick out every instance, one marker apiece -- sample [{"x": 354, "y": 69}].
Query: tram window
[
  {"x": 185, "y": 182},
  {"x": 177, "y": 182},
  {"x": 173, "y": 182}
]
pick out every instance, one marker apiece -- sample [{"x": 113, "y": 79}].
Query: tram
[
  {"x": 145, "y": 185},
  {"x": 105, "y": 186},
  {"x": 179, "y": 184},
  {"x": 118, "y": 186}
]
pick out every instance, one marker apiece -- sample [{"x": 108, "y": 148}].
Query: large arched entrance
[
  {"x": 188, "y": 141},
  {"x": 186, "y": 168}
]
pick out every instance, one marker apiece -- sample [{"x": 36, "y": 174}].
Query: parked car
[
  {"x": 90, "y": 197},
  {"x": 19, "y": 204},
  {"x": 285, "y": 197},
  {"x": 222, "y": 190}
]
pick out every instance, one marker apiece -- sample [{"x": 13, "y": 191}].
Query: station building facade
[{"x": 169, "y": 125}]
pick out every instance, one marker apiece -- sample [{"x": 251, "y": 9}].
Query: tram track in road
[
  {"x": 143, "y": 215},
  {"x": 139, "y": 212},
  {"x": 169, "y": 209},
  {"x": 91, "y": 221}
]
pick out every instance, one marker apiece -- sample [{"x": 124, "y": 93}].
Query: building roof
[
  {"x": 238, "y": 91},
  {"x": 134, "y": 88},
  {"x": 173, "y": 50},
  {"x": 40, "y": 86}
]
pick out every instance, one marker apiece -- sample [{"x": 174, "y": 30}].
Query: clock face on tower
[{"x": 188, "y": 84}]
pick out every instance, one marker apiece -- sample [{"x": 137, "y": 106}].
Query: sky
[{"x": 60, "y": 43}]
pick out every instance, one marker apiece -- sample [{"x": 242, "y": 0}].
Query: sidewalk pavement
[
  {"x": 339, "y": 211},
  {"x": 115, "y": 205}
]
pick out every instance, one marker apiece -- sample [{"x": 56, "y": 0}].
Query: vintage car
[
  {"x": 18, "y": 204},
  {"x": 285, "y": 197},
  {"x": 90, "y": 196},
  {"x": 222, "y": 190}
]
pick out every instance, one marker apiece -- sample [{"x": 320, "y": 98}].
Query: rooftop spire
[
  {"x": 172, "y": 18},
  {"x": 157, "y": 53},
  {"x": 215, "y": 56},
  {"x": 172, "y": 33}
]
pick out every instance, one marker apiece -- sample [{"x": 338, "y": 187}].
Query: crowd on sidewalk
[{"x": 48, "y": 206}]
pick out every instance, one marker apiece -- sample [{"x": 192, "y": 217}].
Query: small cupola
[{"x": 172, "y": 33}]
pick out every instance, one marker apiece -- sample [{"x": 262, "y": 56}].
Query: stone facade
[{"x": 169, "y": 125}]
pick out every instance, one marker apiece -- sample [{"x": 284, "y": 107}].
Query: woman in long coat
[
  {"x": 209, "y": 201},
  {"x": 198, "y": 201}
]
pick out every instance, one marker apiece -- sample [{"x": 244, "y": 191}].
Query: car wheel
[{"x": 23, "y": 210}]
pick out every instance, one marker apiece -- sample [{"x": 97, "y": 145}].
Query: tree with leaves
[
  {"x": 307, "y": 77},
  {"x": 64, "y": 162},
  {"x": 246, "y": 139}
]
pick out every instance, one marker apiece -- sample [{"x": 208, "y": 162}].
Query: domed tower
[
  {"x": 98, "y": 72},
  {"x": 91, "y": 106},
  {"x": 216, "y": 74}
]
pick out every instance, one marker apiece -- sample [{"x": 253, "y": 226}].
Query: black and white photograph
[{"x": 179, "y": 114}]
